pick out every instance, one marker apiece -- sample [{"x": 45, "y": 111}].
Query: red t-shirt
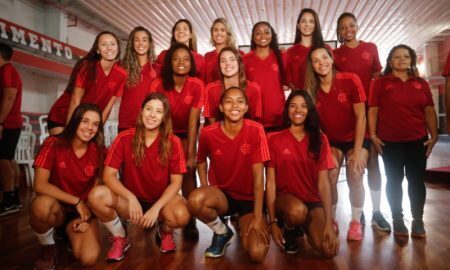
[
  {"x": 231, "y": 160},
  {"x": 214, "y": 92},
  {"x": 198, "y": 59},
  {"x": 296, "y": 69},
  {"x": 10, "y": 78},
  {"x": 296, "y": 171},
  {"x": 212, "y": 67},
  {"x": 401, "y": 107},
  {"x": 265, "y": 72},
  {"x": 191, "y": 96},
  {"x": 150, "y": 180},
  {"x": 337, "y": 117},
  {"x": 72, "y": 174},
  {"x": 446, "y": 71},
  {"x": 133, "y": 97},
  {"x": 99, "y": 92},
  {"x": 362, "y": 60}
]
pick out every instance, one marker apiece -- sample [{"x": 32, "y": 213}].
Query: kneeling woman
[
  {"x": 152, "y": 164},
  {"x": 298, "y": 190},
  {"x": 66, "y": 169},
  {"x": 237, "y": 149}
]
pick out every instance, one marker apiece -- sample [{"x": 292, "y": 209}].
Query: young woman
[
  {"x": 237, "y": 149},
  {"x": 307, "y": 35},
  {"x": 67, "y": 167},
  {"x": 221, "y": 36},
  {"x": 401, "y": 115},
  {"x": 185, "y": 94},
  {"x": 361, "y": 58},
  {"x": 96, "y": 78},
  {"x": 298, "y": 190},
  {"x": 138, "y": 62},
  {"x": 339, "y": 99},
  {"x": 151, "y": 161},
  {"x": 265, "y": 65},
  {"x": 183, "y": 32},
  {"x": 232, "y": 74}
]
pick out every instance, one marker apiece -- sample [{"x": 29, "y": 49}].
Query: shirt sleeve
[
  {"x": 272, "y": 150},
  {"x": 115, "y": 156},
  {"x": 376, "y": 65},
  {"x": 429, "y": 96},
  {"x": 373, "y": 92},
  {"x": 46, "y": 156},
  {"x": 255, "y": 101},
  {"x": 446, "y": 71},
  {"x": 202, "y": 151},
  {"x": 80, "y": 77},
  {"x": 261, "y": 148},
  {"x": 177, "y": 161},
  {"x": 8, "y": 78},
  {"x": 199, "y": 94},
  {"x": 325, "y": 157},
  {"x": 358, "y": 94},
  {"x": 208, "y": 101}
]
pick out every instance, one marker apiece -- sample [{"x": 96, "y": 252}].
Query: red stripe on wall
[{"x": 41, "y": 63}]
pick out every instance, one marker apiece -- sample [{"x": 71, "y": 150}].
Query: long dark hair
[
  {"x": 317, "y": 39},
  {"x": 192, "y": 40},
  {"x": 412, "y": 70},
  {"x": 342, "y": 16},
  {"x": 241, "y": 73},
  {"x": 167, "y": 70},
  {"x": 88, "y": 63},
  {"x": 312, "y": 126},
  {"x": 274, "y": 46}
]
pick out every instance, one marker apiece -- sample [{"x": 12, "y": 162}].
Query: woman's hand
[
  {"x": 150, "y": 217},
  {"x": 190, "y": 163},
  {"x": 134, "y": 210},
  {"x": 330, "y": 239},
  {"x": 359, "y": 164},
  {"x": 80, "y": 226},
  {"x": 262, "y": 233},
  {"x": 430, "y": 144},
  {"x": 277, "y": 235},
  {"x": 378, "y": 144},
  {"x": 83, "y": 210}
]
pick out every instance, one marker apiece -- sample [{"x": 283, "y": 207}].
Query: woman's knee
[
  {"x": 88, "y": 258},
  {"x": 42, "y": 206},
  {"x": 257, "y": 253},
  {"x": 98, "y": 196},
  {"x": 179, "y": 218},
  {"x": 296, "y": 214},
  {"x": 195, "y": 201}
]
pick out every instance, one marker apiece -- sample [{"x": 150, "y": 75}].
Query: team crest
[
  {"x": 365, "y": 55},
  {"x": 342, "y": 97},
  {"x": 245, "y": 148},
  {"x": 416, "y": 85},
  {"x": 274, "y": 67},
  {"x": 152, "y": 73},
  {"x": 62, "y": 165},
  {"x": 188, "y": 99},
  {"x": 112, "y": 85},
  {"x": 89, "y": 170}
]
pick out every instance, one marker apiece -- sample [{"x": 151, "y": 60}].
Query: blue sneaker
[
  {"x": 379, "y": 222},
  {"x": 219, "y": 243}
]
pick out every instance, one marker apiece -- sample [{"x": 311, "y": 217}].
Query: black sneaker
[
  {"x": 7, "y": 208},
  {"x": 191, "y": 231},
  {"x": 290, "y": 244},
  {"x": 379, "y": 222},
  {"x": 418, "y": 229},
  {"x": 219, "y": 243},
  {"x": 399, "y": 227}
]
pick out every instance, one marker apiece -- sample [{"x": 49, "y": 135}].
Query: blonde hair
[{"x": 231, "y": 41}]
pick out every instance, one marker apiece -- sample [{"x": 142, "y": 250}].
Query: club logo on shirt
[
  {"x": 318, "y": 104},
  {"x": 274, "y": 67},
  {"x": 365, "y": 55},
  {"x": 286, "y": 151},
  {"x": 62, "y": 165},
  {"x": 152, "y": 73},
  {"x": 245, "y": 148},
  {"x": 342, "y": 97},
  {"x": 389, "y": 86},
  {"x": 218, "y": 152},
  {"x": 251, "y": 69},
  {"x": 89, "y": 170},
  {"x": 188, "y": 99},
  {"x": 112, "y": 85},
  {"x": 416, "y": 85},
  {"x": 297, "y": 57}
]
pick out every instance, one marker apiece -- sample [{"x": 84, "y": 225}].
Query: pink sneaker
[
  {"x": 355, "y": 231},
  {"x": 167, "y": 243},
  {"x": 119, "y": 246},
  {"x": 335, "y": 226}
]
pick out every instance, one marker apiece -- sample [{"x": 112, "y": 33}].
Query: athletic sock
[
  {"x": 375, "y": 195},
  {"x": 115, "y": 227},
  {"x": 217, "y": 226},
  {"x": 46, "y": 238},
  {"x": 356, "y": 213}
]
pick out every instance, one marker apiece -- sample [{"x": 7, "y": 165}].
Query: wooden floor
[{"x": 19, "y": 247}]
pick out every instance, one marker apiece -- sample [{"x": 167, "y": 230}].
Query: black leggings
[{"x": 408, "y": 158}]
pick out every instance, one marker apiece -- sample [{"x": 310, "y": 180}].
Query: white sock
[
  {"x": 375, "y": 195},
  {"x": 333, "y": 210},
  {"x": 356, "y": 213},
  {"x": 217, "y": 226},
  {"x": 46, "y": 238},
  {"x": 115, "y": 227}
]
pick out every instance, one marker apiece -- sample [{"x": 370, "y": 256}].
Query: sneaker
[
  {"x": 399, "y": 227},
  {"x": 119, "y": 246},
  {"x": 335, "y": 225},
  {"x": 355, "y": 232},
  {"x": 290, "y": 244},
  {"x": 219, "y": 243},
  {"x": 7, "y": 208},
  {"x": 418, "y": 229},
  {"x": 362, "y": 219},
  {"x": 60, "y": 234},
  {"x": 379, "y": 222},
  {"x": 191, "y": 231},
  {"x": 167, "y": 243},
  {"x": 47, "y": 261}
]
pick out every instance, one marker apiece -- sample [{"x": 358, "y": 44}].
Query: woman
[
  {"x": 298, "y": 190},
  {"x": 67, "y": 167},
  {"x": 96, "y": 78},
  {"x": 138, "y": 62},
  {"x": 308, "y": 34},
  {"x": 401, "y": 115},
  {"x": 183, "y": 32},
  {"x": 221, "y": 36},
  {"x": 151, "y": 163},
  {"x": 232, "y": 74},
  {"x": 265, "y": 65},
  {"x": 361, "y": 58},
  {"x": 339, "y": 99},
  {"x": 237, "y": 149}
]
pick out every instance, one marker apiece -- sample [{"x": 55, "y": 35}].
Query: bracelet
[
  {"x": 79, "y": 200},
  {"x": 272, "y": 222},
  {"x": 373, "y": 136}
]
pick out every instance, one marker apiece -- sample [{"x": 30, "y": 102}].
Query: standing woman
[
  {"x": 183, "y": 32},
  {"x": 138, "y": 62},
  {"x": 67, "y": 167},
  {"x": 298, "y": 189},
  {"x": 232, "y": 74},
  {"x": 307, "y": 35},
  {"x": 221, "y": 36},
  {"x": 237, "y": 149},
  {"x": 339, "y": 99},
  {"x": 151, "y": 164},
  {"x": 265, "y": 65},
  {"x": 362, "y": 59},
  {"x": 401, "y": 115},
  {"x": 96, "y": 78},
  {"x": 185, "y": 94}
]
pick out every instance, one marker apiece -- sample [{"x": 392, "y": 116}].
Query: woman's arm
[
  {"x": 431, "y": 120},
  {"x": 373, "y": 118},
  {"x": 271, "y": 195},
  {"x": 258, "y": 224},
  {"x": 202, "y": 169},
  {"x": 360, "y": 129},
  {"x": 108, "y": 108},
  {"x": 194, "y": 115},
  {"x": 75, "y": 100}
]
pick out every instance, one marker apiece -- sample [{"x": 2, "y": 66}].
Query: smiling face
[
  {"x": 234, "y": 105},
  {"x": 107, "y": 47},
  {"x": 306, "y": 24},
  {"x": 347, "y": 28},
  {"x": 262, "y": 35},
  {"x": 141, "y": 43},
  {"x": 228, "y": 64},
  {"x": 219, "y": 34},
  {"x": 181, "y": 62},
  {"x": 298, "y": 111},
  {"x": 401, "y": 60},
  {"x": 88, "y": 127},
  {"x": 152, "y": 114},
  {"x": 182, "y": 33},
  {"x": 322, "y": 62}
]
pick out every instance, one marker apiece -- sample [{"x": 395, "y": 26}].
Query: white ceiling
[{"x": 385, "y": 22}]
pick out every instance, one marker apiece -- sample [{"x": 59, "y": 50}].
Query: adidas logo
[
  {"x": 218, "y": 153},
  {"x": 286, "y": 152}
]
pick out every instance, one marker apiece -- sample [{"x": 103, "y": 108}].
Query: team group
[{"x": 273, "y": 162}]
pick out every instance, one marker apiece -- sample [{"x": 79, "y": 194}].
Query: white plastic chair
[
  {"x": 26, "y": 119},
  {"x": 26, "y": 127},
  {"x": 110, "y": 131},
  {"x": 43, "y": 128},
  {"x": 25, "y": 154}
]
